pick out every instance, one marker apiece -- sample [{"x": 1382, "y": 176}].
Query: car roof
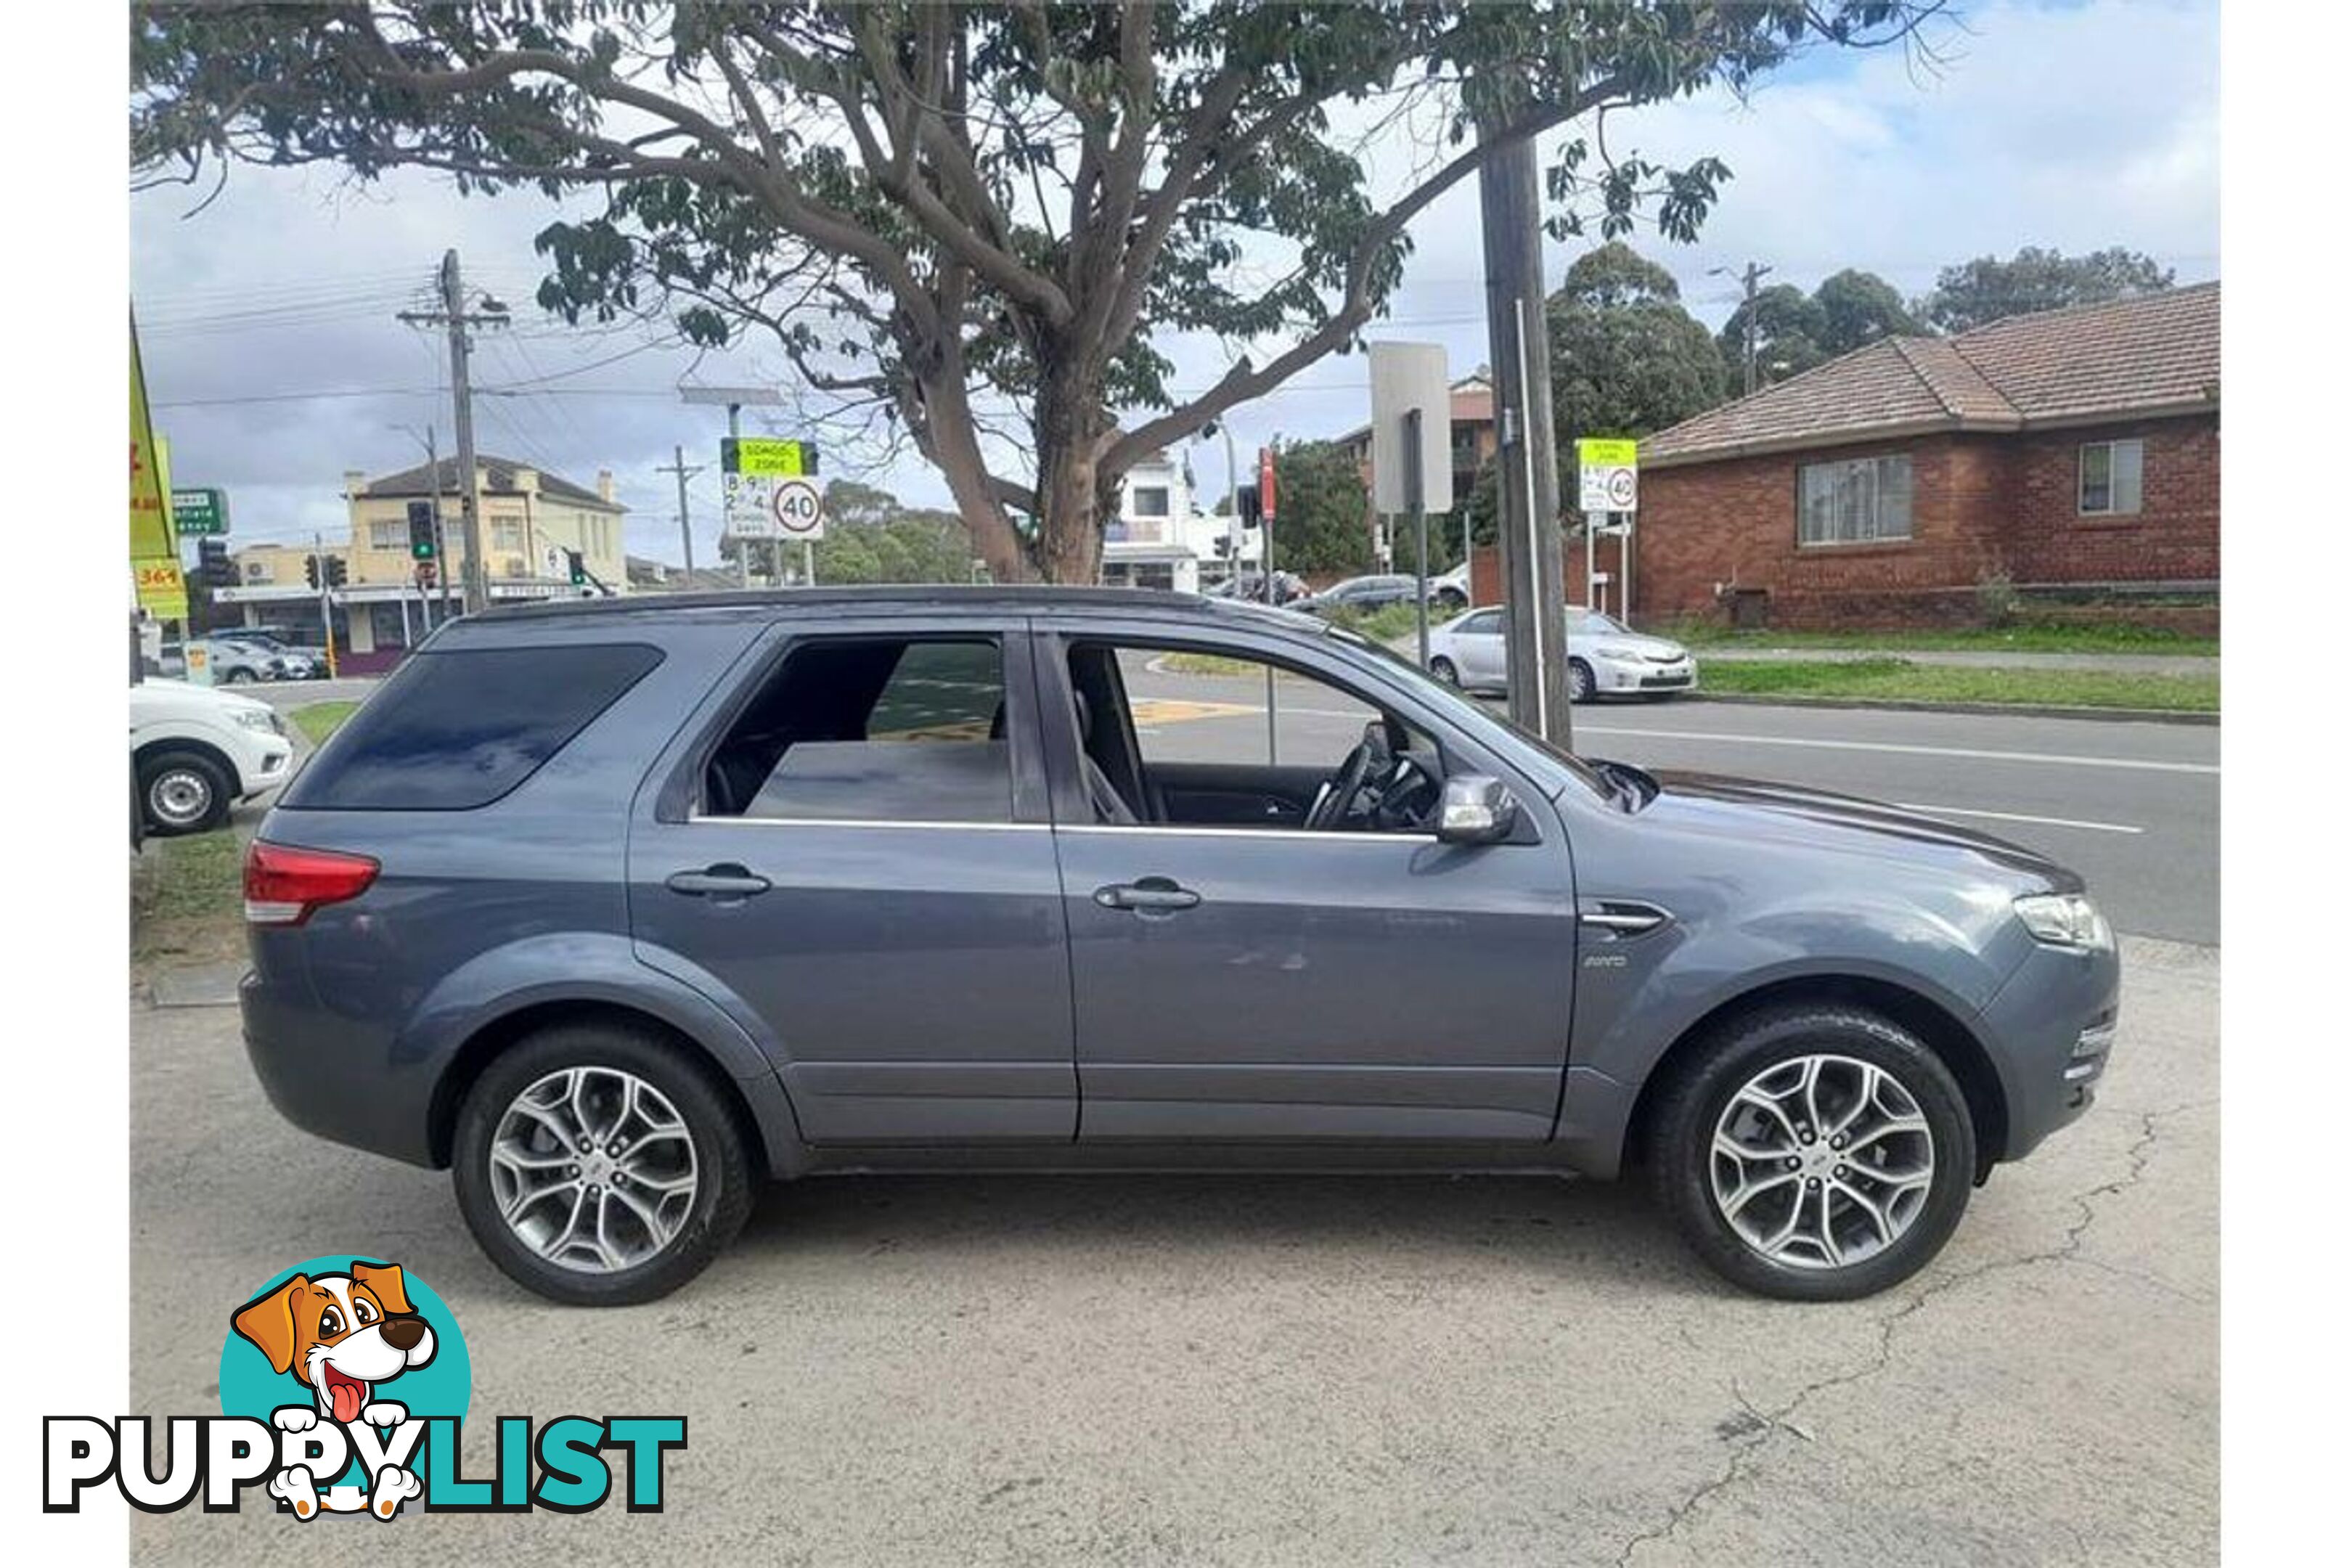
[{"x": 760, "y": 602}]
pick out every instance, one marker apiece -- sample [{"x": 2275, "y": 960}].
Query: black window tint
[{"x": 457, "y": 730}]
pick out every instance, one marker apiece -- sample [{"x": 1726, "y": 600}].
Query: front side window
[
  {"x": 2108, "y": 485},
  {"x": 1861, "y": 500},
  {"x": 871, "y": 729},
  {"x": 1484, "y": 624}
]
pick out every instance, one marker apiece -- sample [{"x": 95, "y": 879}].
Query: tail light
[{"x": 283, "y": 885}]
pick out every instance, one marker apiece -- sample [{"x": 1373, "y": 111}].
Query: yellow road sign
[
  {"x": 754, "y": 455},
  {"x": 1598, "y": 453}
]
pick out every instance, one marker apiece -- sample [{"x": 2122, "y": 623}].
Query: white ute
[{"x": 195, "y": 753}]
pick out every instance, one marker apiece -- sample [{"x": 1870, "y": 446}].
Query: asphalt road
[
  {"x": 1284, "y": 1370},
  {"x": 2135, "y": 808}
]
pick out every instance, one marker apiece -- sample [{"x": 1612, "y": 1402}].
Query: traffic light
[
  {"x": 579, "y": 568},
  {"x": 310, "y": 570},
  {"x": 420, "y": 529},
  {"x": 339, "y": 571},
  {"x": 1247, "y": 502},
  {"x": 214, "y": 568}
]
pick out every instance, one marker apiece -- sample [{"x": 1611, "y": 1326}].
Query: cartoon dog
[{"x": 341, "y": 1336}]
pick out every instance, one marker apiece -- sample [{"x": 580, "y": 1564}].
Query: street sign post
[
  {"x": 1607, "y": 474},
  {"x": 1608, "y": 491}
]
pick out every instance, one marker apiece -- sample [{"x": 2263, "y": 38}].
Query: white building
[{"x": 1163, "y": 539}]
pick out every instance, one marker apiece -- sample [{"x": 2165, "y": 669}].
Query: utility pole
[
  {"x": 685, "y": 529},
  {"x": 1748, "y": 276},
  {"x": 1527, "y": 462},
  {"x": 454, "y": 316}
]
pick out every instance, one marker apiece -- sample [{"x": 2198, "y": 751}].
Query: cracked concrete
[{"x": 1286, "y": 1371}]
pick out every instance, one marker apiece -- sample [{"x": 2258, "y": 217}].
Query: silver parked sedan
[{"x": 1604, "y": 658}]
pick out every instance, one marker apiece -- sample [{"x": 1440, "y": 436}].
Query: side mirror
[{"x": 1475, "y": 810}]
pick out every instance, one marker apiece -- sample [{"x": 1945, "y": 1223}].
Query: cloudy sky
[{"x": 276, "y": 360}]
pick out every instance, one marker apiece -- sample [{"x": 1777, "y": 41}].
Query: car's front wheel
[
  {"x": 1817, "y": 1153},
  {"x": 185, "y": 792},
  {"x": 1442, "y": 667},
  {"x": 598, "y": 1166},
  {"x": 1580, "y": 682}
]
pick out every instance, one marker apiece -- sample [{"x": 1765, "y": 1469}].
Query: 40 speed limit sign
[{"x": 798, "y": 508}]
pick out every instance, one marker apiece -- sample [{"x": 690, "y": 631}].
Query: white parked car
[
  {"x": 195, "y": 753},
  {"x": 1604, "y": 658}
]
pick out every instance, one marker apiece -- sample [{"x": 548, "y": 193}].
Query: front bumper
[
  {"x": 2051, "y": 1028},
  {"x": 1635, "y": 677}
]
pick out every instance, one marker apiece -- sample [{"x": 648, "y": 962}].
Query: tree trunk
[{"x": 1070, "y": 428}]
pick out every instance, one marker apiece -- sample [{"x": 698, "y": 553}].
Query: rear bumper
[
  {"x": 2052, "y": 1026},
  {"x": 333, "y": 1082}
]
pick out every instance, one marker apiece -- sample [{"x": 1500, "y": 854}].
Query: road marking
[
  {"x": 2055, "y": 759},
  {"x": 2019, "y": 816}
]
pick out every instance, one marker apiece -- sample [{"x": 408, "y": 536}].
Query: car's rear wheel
[
  {"x": 235, "y": 675},
  {"x": 1443, "y": 669},
  {"x": 185, "y": 792},
  {"x": 1580, "y": 682},
  {"x": 1814, "y": 1153},
  {"x": 598, "y": 1166}
]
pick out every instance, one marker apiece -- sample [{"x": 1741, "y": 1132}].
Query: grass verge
[
  {"x": 2027, "y": 638},
  {"x": 1897, "y": 679},
  {"x": 321, "y": 719},
  {"x": 186, "y": 899}
]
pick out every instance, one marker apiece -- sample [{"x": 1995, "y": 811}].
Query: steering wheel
[
  {"x": 1403, "y": 799},
  {"x": 1334, "y": 804}
]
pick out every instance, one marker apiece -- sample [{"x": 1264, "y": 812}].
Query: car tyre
[
  {"x": 1580, "y": 682},
  {"x": 1683, "y": 1158},
  {"x": 722, "y": 1167},
  {"x": 185, "y": 792},
  {"x": 1442, "y": 669},
  {"x": 237, "y": 675}
]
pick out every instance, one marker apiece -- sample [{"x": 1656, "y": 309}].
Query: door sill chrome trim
[
  {"x": 699, "y": 820},
  {"x": 1165, "y": 829}
]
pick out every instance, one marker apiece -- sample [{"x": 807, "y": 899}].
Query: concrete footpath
[{"x": 1280, "y": 1370}]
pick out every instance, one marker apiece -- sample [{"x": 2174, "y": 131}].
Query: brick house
[{"x": 2065, "y": 453}]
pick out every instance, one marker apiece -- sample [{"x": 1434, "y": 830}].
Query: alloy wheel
[
  {"x": 1820, "y": 1162},
  {"x": 593, "y": 1169}
]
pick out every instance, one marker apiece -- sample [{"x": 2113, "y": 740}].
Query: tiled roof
[
  {"x": 2159, "y": 352},
  {"x": 498, "y": 474}
]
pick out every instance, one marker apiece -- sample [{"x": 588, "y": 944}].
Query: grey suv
[{"x": 617, "y": 906}]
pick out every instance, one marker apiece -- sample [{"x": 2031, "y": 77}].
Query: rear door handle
[
  {"x": 1149, "y": 895},
  {"x": 721, "y": 881}
]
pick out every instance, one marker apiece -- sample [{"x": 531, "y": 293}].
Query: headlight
[
  {"x": 2065, "y": 919},
  {"x": 1612, "y": 651},
  {"x": 263, "y": 719}
]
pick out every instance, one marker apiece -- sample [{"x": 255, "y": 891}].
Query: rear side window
[
  {"x": 872, "y": 728},
  {"x": 457, "y": 729}
]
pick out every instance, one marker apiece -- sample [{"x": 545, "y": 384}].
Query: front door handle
[
  {"x": 726, "y": 881},
  {"x": 1147, "y": 896}
]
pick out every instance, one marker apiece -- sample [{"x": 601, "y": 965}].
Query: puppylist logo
[{"x": 344, "y": 1384}]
